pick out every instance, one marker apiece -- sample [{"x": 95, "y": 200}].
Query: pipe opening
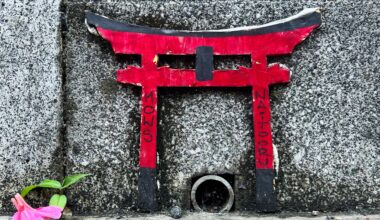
[{"x": 212, "y": 193}]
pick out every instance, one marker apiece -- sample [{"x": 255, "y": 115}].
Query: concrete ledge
[
  {"x": 233, "y": 216},
  {"x": 209, "y": 216}
]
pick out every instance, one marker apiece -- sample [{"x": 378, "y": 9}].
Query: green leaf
[
  {"x": 50, "y": 184},
  {"x": 58, "y": 200},
  {"x": 70, "y": 180},
  {"x": 27, "y": 189},
  {"x": 54, "y": 184}
]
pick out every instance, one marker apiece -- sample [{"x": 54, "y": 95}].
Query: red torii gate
[{"x": 275, "y": 38}]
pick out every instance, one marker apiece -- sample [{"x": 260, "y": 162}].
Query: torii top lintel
[{"x": 275, "y": 38}]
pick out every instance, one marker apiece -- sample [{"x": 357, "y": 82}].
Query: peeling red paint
[{"x": 259, "y": 77}]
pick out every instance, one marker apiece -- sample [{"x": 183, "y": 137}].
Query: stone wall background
[
  {"x": 30, "y": 96},
  {"x": 60, "y": 116}
]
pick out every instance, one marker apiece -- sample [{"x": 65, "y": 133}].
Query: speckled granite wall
[
  {"x": 30, "y": 96},
  {"x": 325, "y": 122}
]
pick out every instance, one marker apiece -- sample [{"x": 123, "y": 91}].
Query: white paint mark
[
  {"x": 276, "y": 161},
  {"x": 90, "y": 29}
]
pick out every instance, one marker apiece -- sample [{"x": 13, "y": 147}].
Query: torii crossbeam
[{"x": 275, "y": 38}]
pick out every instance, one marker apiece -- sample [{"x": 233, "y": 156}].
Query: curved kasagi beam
[{"x": 275, "y": 38}]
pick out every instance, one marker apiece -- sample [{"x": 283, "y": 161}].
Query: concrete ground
[{"x": 236, "y": 216}]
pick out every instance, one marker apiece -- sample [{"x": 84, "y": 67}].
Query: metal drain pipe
[{"x": 209, "y": 179}]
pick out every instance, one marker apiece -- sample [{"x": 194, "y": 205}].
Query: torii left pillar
[{"x": 276, "y": 38}]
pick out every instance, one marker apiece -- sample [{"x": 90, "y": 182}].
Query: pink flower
[{"x": 25, "y": 212}]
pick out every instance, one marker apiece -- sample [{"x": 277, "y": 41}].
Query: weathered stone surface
[
  {"x": 205, "y": 131},
  {"x": 30, "y": 96},
  {"x": 102, "y": 120},
  {"x": 325, "y": 122}
]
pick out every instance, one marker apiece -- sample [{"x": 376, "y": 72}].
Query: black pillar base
[
  {"x": 265, "y": 197},
  {"x": 147, "y": 187}
]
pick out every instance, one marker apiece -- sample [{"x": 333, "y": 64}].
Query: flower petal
[
  {"x": 17, "y": 216},
  {"x": 21, "y": 202},
  {"x": 15, "y": 204},
  {"x": 50, "y": 212},
  {"x": 30, "y": 214},
  {"x": 26, "y": 212}
]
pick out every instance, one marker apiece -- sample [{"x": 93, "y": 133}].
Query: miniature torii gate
[{"x": 275, "y": 38}]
